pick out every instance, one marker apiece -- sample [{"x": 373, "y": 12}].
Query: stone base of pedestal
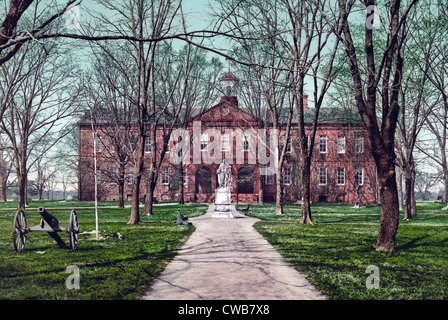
[
  {"x": 222, "y": 204},
  {"x": 223, "y": 214}
]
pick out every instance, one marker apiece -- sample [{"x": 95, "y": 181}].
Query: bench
[{"x": 181, "y": 219}]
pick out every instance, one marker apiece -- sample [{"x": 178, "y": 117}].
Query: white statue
[{"x": 224, "y": 175}]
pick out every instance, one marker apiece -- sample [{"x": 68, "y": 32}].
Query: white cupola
[{"x": 229, "y": 84}]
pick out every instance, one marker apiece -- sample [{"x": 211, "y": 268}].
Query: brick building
[{"x": 342, "y": 166}]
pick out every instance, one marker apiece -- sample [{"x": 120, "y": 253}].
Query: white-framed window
[
  {"x": 359, "y": 176},
  {"x": 287, "y": 176},
  {"x": 288, "y": 145},
  {"x": 323, "y": 144},
  {"x": 322, "y": 176},
  {"x": 113, "y": 175},
  {"x": 341, "y": 176},
  {"x": 166, "y": 144},
  {"x": 97, "y": 143},
  {"x": 269, "y": 179},
  {"x": 165, "y": 175},
  {"x": 360, "y": 145},
  {"x": 341, "y": 144},
  {"x": 204, "y": 142},
  {"x": 131, "y": 175},
  {"x": 246, "y": 143},
  {"x": 147, "y": 145},
  {"x": 225, "y": 142}
]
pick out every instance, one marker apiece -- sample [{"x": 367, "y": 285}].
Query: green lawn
[
  {"x": 336, "y": 252},
  {"x": 120, "y": 265},
  {"x": 68, "y": 203}
]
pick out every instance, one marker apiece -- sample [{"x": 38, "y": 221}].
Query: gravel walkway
[{"x": 227, "y": 259}]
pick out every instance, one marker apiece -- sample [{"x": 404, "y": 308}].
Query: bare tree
[
  {"x": 112, "y": 94},
  {"x": 311, "y": 34},
  {"x": 174, "y": 71},
  {"x": 386, "y": 68},
  {"x": 424, "y": 181},
  {"x": 42, "y": 166},
  {"x": 436, "y": 102},
  {"x": 39, "y": 93},
  {"x": 423, "y": 32},
  {"x": 6, "y": 167},
  {"x": 144, "y": 25},
  {"x": 295, "y": 36},
  {"x": 253, "y": 101},
  {"x": 258, "y": 45},
  {"x": 67, "y": 162},
  {"x": 13, "y": 34},
  {"x": 199, "y": 91}
]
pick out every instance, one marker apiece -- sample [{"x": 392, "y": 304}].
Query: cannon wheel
[
  {"x": 73, "y": 230},
  {"x": 19, "y": 231}
]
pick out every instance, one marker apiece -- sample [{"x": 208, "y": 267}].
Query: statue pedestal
[{"x": 222, "y": 204}]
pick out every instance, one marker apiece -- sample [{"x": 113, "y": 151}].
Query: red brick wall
[{"x": 231, "y": 118}]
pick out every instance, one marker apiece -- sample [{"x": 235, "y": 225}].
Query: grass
[
  {"x": 335, "y": 253},
  {"x": 120, "y": 265},
  {"x": 68, "y": 203}
]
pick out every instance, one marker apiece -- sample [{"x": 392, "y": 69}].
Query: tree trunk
[
  {"x": 135, "y": 207},
  {"x": 121, "y": 180},
  {"x": 3, "y": 194},
  {"x": 413, "y": 201},
  {"x": 279, "y": 193},
  {"x": 260, "y": 189},
  {"x": 3, "y": 178},
  {"x": 389, "y": 206},
  {"x": 21, "y": 179},
  {"x": 407, "y": 192},
  {"x": 40, "y": 192},
  {"x": 181, "y": 200},
  {"x": 399, "y": 187},
  {"x": 445, "y": 174},
  {"x": 410, "y": 192},
  {"x": 306, "y": 190},
  {"x": 22, "y": 174},
  {"x": 149, "y": 197},
  {"x": 121, "y": 194}
]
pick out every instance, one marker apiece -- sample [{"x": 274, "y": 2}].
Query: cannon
[{"x": 48, "y": 224}]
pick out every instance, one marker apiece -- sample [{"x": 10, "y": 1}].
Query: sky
[{"x": 196, "y": 11}]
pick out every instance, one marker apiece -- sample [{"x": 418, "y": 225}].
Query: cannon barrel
[
  {"x": 50, "y": 219},
  {"x": 54, "y": 224}
]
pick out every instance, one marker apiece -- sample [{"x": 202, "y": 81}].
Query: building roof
[
  {"x": 327, "y": 115},
  {"x": 229, "y": 76}
]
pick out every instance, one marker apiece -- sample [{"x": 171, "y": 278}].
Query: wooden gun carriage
[{"x": 52, "y": 227}]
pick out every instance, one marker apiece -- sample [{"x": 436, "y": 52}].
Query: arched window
[
  {"x": 245, "y": 180},
  {"x": 203, "y": 180}
]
